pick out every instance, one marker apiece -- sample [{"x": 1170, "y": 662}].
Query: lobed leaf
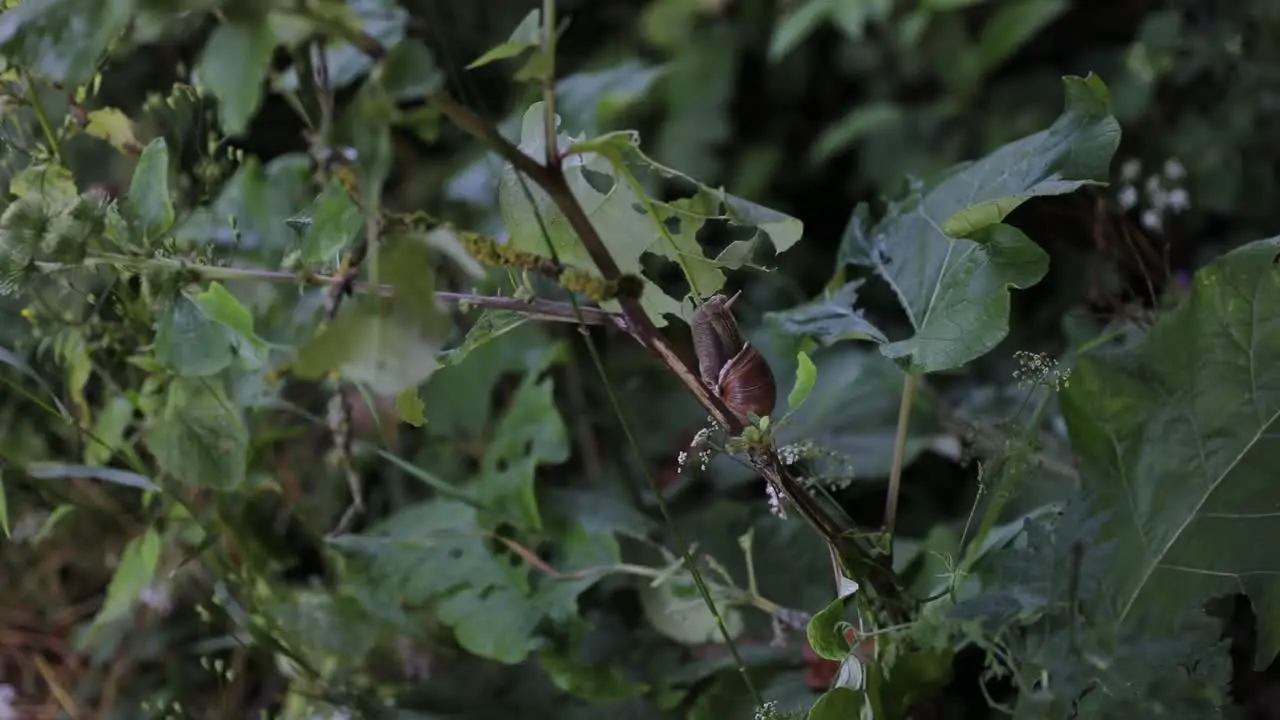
[
  {"x": 602, "y": 175},
  {"x": 946, "y": 253}
]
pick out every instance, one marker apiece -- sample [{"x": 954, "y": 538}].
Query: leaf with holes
[
  {"x": 604, "y": 174},
  {"x": 1177, "y": 436}
]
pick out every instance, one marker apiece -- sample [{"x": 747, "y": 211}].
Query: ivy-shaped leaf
[
  {"x": 945, "y": 252},
  {"x": 200, "y": 437},
  {"x": 1176, "y": 435},
  {"x": 149, "y": 201},
  {"x": 234, "y": 65}
]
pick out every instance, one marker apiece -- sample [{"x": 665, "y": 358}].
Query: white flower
[
  {"x": 1178, "y": 200},
  {"x": 1151, "y": 220},
  {"x": 1131, "y": 169},
  {"x": 1127, "y": 197},
  {"x": 1174, "y": 170}
]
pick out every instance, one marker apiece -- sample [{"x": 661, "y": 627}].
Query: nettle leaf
[
  {"x": 948, "y": 256},
  {"x": 200, "y": 437},
  {"x": 435, "y": 553},
  {"x": 1176, "y": 436},
  {"x": 387, "y": 343},
  {"x": 530, "y": 433},
  {"x": 831, "y": 319},
  {"x": 234, "y": 65},
  {"x": 149, "y": 201},
  {"x": 602, "y": 174},
  {"x": 61, "y": 40},
  {"x": 201, "y": 334}
]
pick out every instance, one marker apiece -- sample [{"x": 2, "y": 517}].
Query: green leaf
[
  {"x": 839, "y": 703},
  {"x": 149, "y": 200},
  {"x": 200, "y": 437},
  {"x": 524, "y": 37},
  {"x": 335, "y": 218},
  {"x": 800, "y": 21},
  {"x": 61, "y": 40},
  {"x": 109, "y": 427},
  {"x": 1014, "y": 25},
  {"x": 602, "y": 175},
  {"x": 529, "y": 434},
  {"x": 112, "y": 125},
  {"x": 578, "y": 551},
  {"x": 948, "y": 257},
  {"x": 390, "y": 344},
  {"x": 434, "y": 552},
  {"x": 409, "y": 72},
  {"x": 190, "y": 343},
  {"x": 134, "y": 574},
  {"x": 1175, "y": 435},
  {"x": 54, "y": 183},
  {"x": 594, "y": 682},
  {"x": 234, "y": 65},
  {"x": 806, "y": 375},
  {"x": 677, "y": 610},
  {"x": 825, "y": 631},
  {"x": 202, "y": 334},
  {"x": 409, "y": 407},
  {"x": 831, "y": 319},
  {"x": 491, "y": 325}
]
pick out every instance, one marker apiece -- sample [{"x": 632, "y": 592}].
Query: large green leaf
[
  {"x": 946, "y": 253},
  {"x": 1177, "y": 439},
  {"x": 200, "y": 437},
  {"x": 603, "y": 174},
  {"x": 61, "y": 40},
  {"x": 149, "y": 201},
  {"x": 234, "y": 65}
]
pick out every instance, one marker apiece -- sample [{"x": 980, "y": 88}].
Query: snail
[{"x": 734, "y": 370}]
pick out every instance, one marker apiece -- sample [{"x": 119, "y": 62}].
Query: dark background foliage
[{"x": 806, "y": 107}]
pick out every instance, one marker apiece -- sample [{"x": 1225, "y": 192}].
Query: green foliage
[
  {"x": 306, "y": 437},
  {"x": 1171, "y": 433}
]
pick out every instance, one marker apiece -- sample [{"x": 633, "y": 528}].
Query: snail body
[{"x": 728, "y": 365}]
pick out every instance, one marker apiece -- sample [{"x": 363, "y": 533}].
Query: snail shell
[{"x": 734, "y": 370}]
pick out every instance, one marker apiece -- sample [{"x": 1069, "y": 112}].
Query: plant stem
[
  {"x": 42, "y": 117},
  {"x": 549, "y": 84},
  {"x": 899, "y": 454},
  {"x": 536, "y": 309}
]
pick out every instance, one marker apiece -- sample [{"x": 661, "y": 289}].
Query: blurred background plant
[{"x": 120, "y": 603}]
